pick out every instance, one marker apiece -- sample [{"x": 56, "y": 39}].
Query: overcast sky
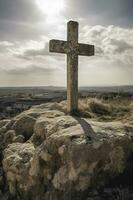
[{"x": 26, "y": 26}]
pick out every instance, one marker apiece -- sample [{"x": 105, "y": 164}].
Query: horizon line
[{"x": 66, "y": 86}]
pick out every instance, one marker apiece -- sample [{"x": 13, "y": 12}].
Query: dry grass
[
  {"x": 92, "y": 107},
  {"x": 102, "y": 110},
  {"x": 99, "y": 107},
  {"x": 62, "y": 106}
]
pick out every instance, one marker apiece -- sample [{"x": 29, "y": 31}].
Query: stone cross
[{"x": 72, "y": 48}]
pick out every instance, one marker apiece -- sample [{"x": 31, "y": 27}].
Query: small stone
[
  {"x": 19, "y": 138},
  {"x": 45, "y": 156},
  {"x": 97, "y": 144},
  {"x": 9, "y": 135},
  {"x": 61, "y": 149}
]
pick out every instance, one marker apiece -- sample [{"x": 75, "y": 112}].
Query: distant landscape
[{"x": 14, "y": 100}]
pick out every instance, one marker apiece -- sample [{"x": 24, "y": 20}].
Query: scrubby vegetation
[
  {"x": 109, "y": 110},
  {"x": 114, "y": 109}
]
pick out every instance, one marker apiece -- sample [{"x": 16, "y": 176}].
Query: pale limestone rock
[
  {"x": 9, "y": 136},
  {"x": 19, "y": 139},
  {"x": 24, "y": 125},
  {"x": 60, "y": 179},
  {"x": 72, "y": 174},
  {"x": 46, "y": 126},
  {"x": 4, "y": 122},
  {"x": 73, "y": 155},
  {"x": 6, "y": 125},
  {"x": 45, "y": 156},
  {"x": 16, "y": 165},
  {"x": 61, "y": 149}
]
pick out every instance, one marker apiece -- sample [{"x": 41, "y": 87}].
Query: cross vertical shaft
[
  {"x": 72, "y": 48},
  {"x": 72, "y": 68}
]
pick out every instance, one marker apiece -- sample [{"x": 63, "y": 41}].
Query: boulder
[
  {"x": 24, "y": 125},
  {"x": 4, "y": 122},
  {"x": 16, "y": 165},
  {"x": 65, "y": 157}
]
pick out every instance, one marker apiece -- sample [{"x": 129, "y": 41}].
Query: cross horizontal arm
[
  {"x": 86, "y": 50},
  {"x": 58, "y": 46}
]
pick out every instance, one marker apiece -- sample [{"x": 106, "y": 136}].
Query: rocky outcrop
[{"x": 48, "y": 155}]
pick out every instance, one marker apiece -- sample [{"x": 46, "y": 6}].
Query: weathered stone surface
[
  {"x": 24, "y": 125},
  {"x": 72, "y": 48},
  {"x": 65, "y": 157},
  {"x": 16, "y": 164},
  {"x": 4, "y": 122},
  {"x": 46, "y": 126},
  {"x": 6, "y": 125},
  {"x": 5, "y": 139},
  {"x": 19, "y": 139}
]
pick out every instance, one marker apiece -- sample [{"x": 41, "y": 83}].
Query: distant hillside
[{"x": 118, "y": 89}]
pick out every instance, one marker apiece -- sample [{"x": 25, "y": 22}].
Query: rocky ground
[{"x": 49, "y": 155}]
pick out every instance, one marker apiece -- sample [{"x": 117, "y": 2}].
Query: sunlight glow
[{"x": 51, "y": 8}]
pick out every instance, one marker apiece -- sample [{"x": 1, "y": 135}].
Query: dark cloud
[
  {"x": 110, "y": 43},
  {"x": 29, "y": 54},
  {"x": 31, "y": 69},
  {"x": 21, "y": 32},
  {"x": 105, "y": 12},
  {"x": 121, "y": 46},
  {"x": 115, "y": 47},
  {"x": 22, "y": 23},
  {"x": 19, "y": 10},
  {"x": 19, "y": 20},
  {"x": 33, "y": 52},
  {"x": 17, "y": 31}
]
